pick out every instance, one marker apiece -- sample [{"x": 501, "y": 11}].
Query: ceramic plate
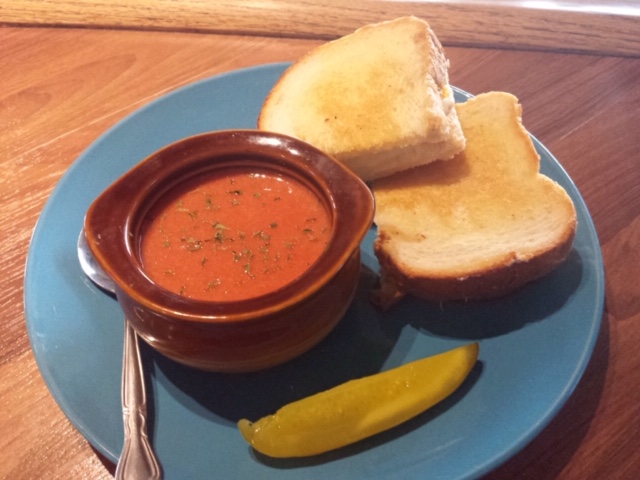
[{"x": 534, "y": 345}]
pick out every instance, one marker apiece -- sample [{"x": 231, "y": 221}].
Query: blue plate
[{"x": 534, "y": 344}]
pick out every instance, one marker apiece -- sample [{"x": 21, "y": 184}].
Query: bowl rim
[{"x": 113, "y": 220}]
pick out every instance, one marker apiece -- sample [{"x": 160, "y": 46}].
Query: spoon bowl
[{"x": 91, "y": 268}]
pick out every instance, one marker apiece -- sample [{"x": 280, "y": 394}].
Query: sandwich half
[
  {"x": 478, "y": 226},
  {"x": 378, "y": 99}
]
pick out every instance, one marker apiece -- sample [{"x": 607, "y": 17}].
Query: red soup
[{"x": 234, "y": 234}]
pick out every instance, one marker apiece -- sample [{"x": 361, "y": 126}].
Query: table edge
[{"x": 546, "y": 27}]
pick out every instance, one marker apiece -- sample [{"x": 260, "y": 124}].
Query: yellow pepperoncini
[{"x": 360, "y": 408}]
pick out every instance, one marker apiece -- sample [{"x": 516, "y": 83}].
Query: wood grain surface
[
  {"x": 61, "y": 88},
  {"x": 572, "y": 25}
]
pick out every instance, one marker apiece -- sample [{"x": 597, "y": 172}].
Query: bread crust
[
  {"x": 484, "y": 284},
  {"x": 479, "y": 226}
]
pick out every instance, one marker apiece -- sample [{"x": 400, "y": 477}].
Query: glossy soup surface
[{"x": 234, "y": 234}]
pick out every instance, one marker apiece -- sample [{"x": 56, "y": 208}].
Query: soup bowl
[{"x": 261, "y": 324}]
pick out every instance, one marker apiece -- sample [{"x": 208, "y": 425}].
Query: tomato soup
[{"x": 234, "y": 234}]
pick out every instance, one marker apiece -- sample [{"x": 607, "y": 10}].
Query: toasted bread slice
[
  {"x": 378, "y": 99},
  {"x": 477, "y": 226}
]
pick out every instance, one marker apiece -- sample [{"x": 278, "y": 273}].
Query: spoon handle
[{"x": 137, "y": 460}]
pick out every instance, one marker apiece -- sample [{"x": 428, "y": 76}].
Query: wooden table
[{"x": 60, "y": 88}]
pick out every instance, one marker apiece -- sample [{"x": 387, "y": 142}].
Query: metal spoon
[{"x": 137, "y": 460}]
